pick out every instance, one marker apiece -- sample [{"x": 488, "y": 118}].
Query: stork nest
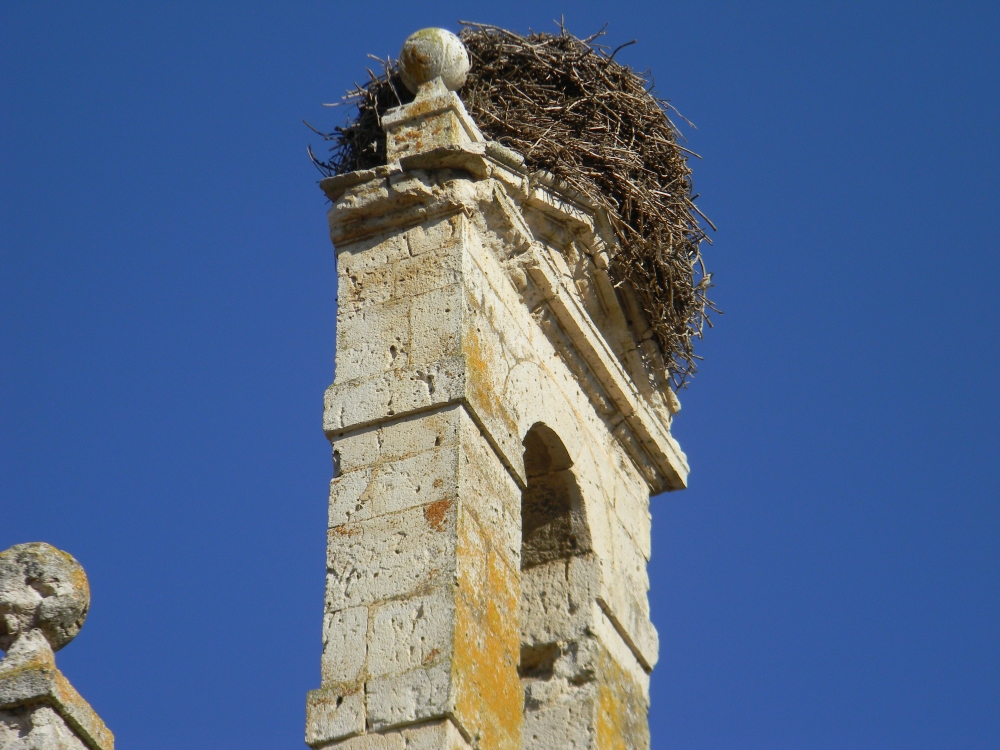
[{"x": 572, "y": 110}]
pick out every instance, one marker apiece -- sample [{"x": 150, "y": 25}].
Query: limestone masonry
[
  {"x": 44, "y": 597},
  {"x": 499, "y": 419}
]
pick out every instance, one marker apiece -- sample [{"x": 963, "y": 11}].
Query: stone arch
[
  {"x": 553, "y": 518},
  {"x": 554, "y": 532}
]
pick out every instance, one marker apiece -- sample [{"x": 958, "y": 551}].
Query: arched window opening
[
  {"x": 553, "y": 532},
  {"x": 550, "y": 504}
]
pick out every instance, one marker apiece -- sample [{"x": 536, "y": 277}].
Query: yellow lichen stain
[
  {"x": 622, "y": 713},
  {"x": 482, "y": 391},
  {"x": 68, "y": 702},
  {"x": 331, "y": 696},
  {"x": 488, "y": 695},
  {"x": 79, "y": 577},
  {"x": 435, "y": 514},
  {"x": 503, "y": 610}
]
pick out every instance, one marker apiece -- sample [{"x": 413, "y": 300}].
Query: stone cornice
[
  {"x": 472, "y": 179},
  {"x": 41, "y": 682}
]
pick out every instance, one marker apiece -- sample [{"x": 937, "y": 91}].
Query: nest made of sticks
[{"x": 571, "y": 109}]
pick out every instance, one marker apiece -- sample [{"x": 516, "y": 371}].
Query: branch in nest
[{"x": 572, "y": 110}]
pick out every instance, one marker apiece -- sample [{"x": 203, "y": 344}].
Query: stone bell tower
[{"x": 499, "y": 420}]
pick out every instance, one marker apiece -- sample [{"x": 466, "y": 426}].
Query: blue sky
[{"x": 167, "y": 308}]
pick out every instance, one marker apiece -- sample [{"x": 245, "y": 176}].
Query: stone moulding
[
  {"x": 43, "y": 684},
  {"x": 479, "y": 179}
]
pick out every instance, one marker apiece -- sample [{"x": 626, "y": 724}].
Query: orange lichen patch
[
  {"x": 471, "y": 553},
  {"x": 346, "y": 530},
  {"x": 435, "y": 514},
  {"x": 435, "y": 127},
  {"x": 488, "y": 695},
  {"x": 482, "y": 390},
  {"x": 78, "y": 575},
  {"x": 503, "y": 587},
  {"x": 333, "y": 691},
  {"x": 478, "y": 366},
  {"x": 433, "y": 654},
  {"x": 622, "y": 712}
]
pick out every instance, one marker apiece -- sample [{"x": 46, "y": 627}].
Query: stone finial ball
[
  {"x": 430, "y": 53},
  {"x": 41, "y": 588}
]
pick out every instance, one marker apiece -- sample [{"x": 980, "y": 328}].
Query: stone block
[
  {"x": 393, "y": 486},
  {"x": 388, "y": 741},
  {"x": 489, "y": 492},
  {"x": 432, "y": 270},
  {"x": 631, "y": 504},
  {"x": 609, "y": 636},
  {"x": 392, "y": 441},
  {"x": 37, "y": 727},
  {"x": 420, "y": 433},
  {"x": 345, "y": 639},
  {"x": 437, "y": 735},
  {"x": 390, "y": 556},
  {"x": 430, "y": 123},
  {"x": 409, "y": 697},
  {"x": 435, "y": 325},
  {"x": 346, "y": 495},
  {"x": 366, "y": 286},
  {"x": 432, "y": 735},
  {"x": 557, "y": 600},
  {"x": 333, "y": 713},
  {"x": 369, "y": 338},
  {"x": 395, "y": 392},
  {"x": 372, "y": 252},
  {"x": 565, "y": 720},
  {"x": 629, "y": 562},
  {"x": 412, "y": 633},
  {"x": 429, "y": 237},
  {"x": 630, "y": 619},
  {"x": 388, "y": 272}
]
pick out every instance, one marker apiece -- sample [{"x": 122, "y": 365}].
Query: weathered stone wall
[
  {"x": 37, "y": 728},
  {"x": 422, "y": 577},
  {"x": 498, "y": 423}
]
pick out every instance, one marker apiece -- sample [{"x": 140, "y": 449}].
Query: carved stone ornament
[
  {"x": 44, "y": 598},
  {"x": 429, "y": 54},
  {"x": 41, "y": 589}
]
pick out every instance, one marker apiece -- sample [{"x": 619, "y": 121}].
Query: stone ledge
[
  {"x": 588, "y": 341},
  {"x": 638, "y": 633},
  {"x": 334, "y": 713},
  {"x": 396, "y": 394},
  {"x": 432, "y": 735},
  {"x": 43, "y": 684}
]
